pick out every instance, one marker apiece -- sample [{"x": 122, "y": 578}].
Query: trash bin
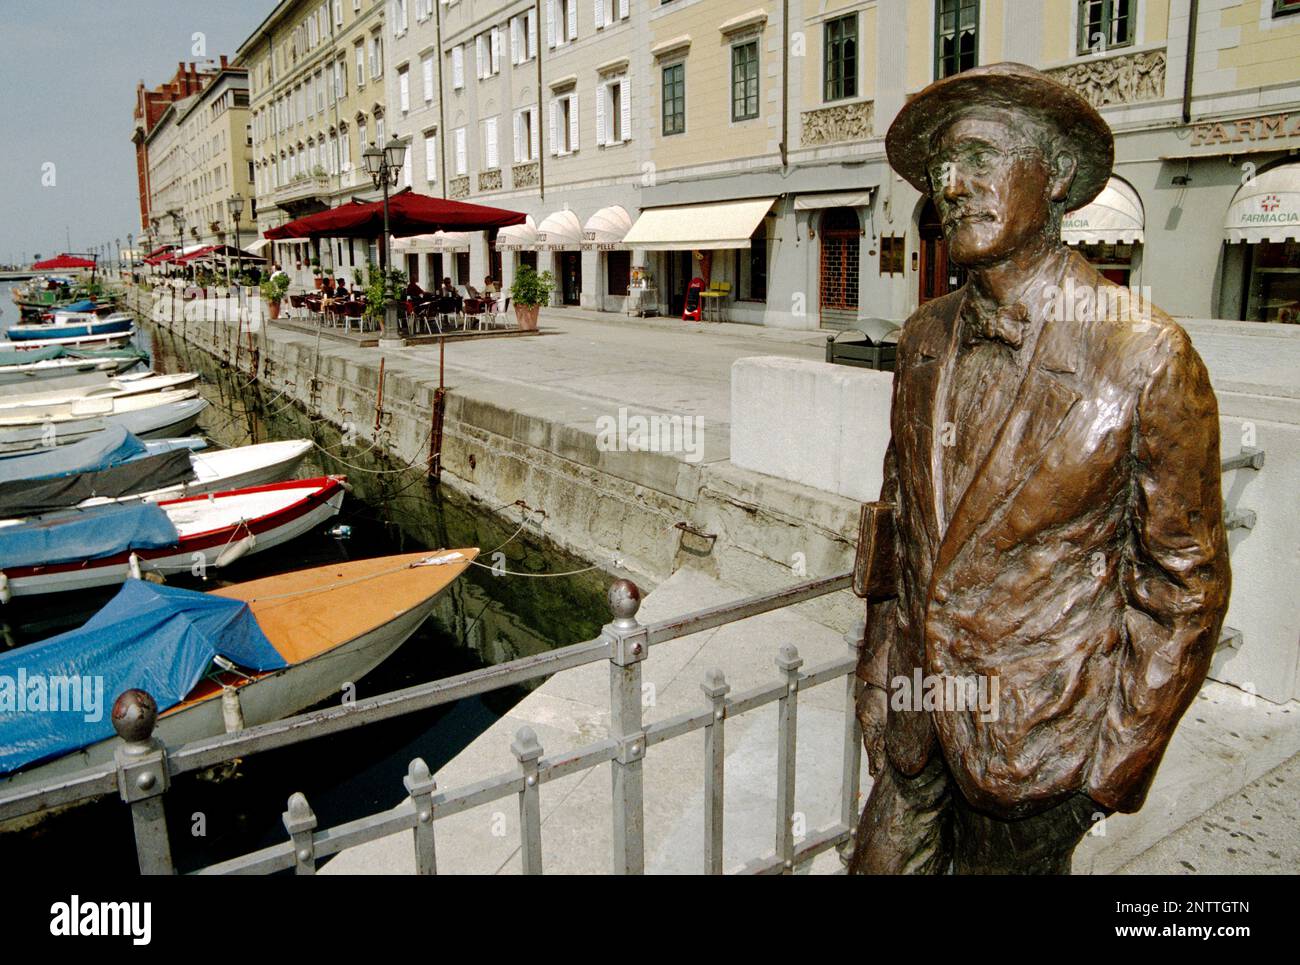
[{"x": 872, "y": 345}]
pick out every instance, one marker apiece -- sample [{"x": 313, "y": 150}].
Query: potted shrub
[
  {"x": 316, "y": 270},
  {"x": 529, "y": 292},
  {"x": 380, "y": 296},
  {"x": 273, "y": 292}
]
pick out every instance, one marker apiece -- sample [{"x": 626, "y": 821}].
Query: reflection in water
[{"x": 483, "y": 620}]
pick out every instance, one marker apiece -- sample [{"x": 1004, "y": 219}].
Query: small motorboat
[
  {"x": 106, "y": 545},
  {"x": 28, "y": 366},
  {"x": 103, "y": 389},
  {"x": 102, "y": 340},
  {"x": 154, "y": 422},
  {"x": 217, "y": 662},
  {"x": 151, "y": 477},
  {"x": 55, "y": 414}
]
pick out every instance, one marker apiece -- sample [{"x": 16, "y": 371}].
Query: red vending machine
[{"x": 691, "y": 307}]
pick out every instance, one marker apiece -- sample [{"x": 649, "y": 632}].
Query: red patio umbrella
[
  {"x": 408, "y": 214},
  {"x": 63, "y": 262}
]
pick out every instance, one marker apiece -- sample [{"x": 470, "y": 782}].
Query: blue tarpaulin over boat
[
  {"x": 85, "y": 305},
  {"x": 103, "y": 450},
  {"x": 89, "y": 535},
  {"x": 158, "y": 638}
]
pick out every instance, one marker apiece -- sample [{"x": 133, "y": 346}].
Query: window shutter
[
  {"x": 573, "y": 122},
  {"x": 555, "y": 129},
  {"x": 406, "y": 167},
  {"x": 600, "y": 14},
  {"x": 462, "y": 165},
  {"x": 427, "y": 68},
  {"x": 493, "y": 155},
  {"x": 519, "y": 153},
  {"x": 550, "y": 23},
  {"x": 514, "y": 40},
  {"x": 458, "y": 66},
  {"x": 534, "y": 132},
  {"x": 430, "y": 158},
  {"x": 496, "y": 50},
  {"x": 404, "y": 90},
  {"x": 625, "y": 105},
  {"x": 573, "y": 19},
  {"x": 622, "y": 9},
  {"x": 480, "y": 59},
  {"x": 602, "y": 94},
  {"x": 532, "y": 35}
]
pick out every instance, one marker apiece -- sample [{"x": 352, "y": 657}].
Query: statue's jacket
[{"x": 1085, "y": 566}]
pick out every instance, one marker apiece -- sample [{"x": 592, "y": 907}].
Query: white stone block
[{"x": 814, "y": 423}]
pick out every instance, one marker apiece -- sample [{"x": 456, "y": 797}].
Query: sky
[{"x": 68, "y": 70}]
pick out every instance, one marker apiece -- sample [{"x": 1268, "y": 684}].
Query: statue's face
[{"x": 992, "y": 189}]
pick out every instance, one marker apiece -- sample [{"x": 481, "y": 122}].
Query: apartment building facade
[
  {"x": 317, "y": 87},
  {"x": 741, "y": 142},
  {"x": 199, "y": 156},
  {"x": 150, "y": 104}
]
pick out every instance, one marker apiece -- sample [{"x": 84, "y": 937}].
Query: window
[
  {"x": 561, "y": 22},
  {"x": 891, "y": 255},
  {"x": 1283, "y": 7},
  {"x": 674, "y": 99},
  {"x": 525, "y": 135},
  {"x": 491, "y": 156},
  {"x": 610, "y": 11},
  {"x": 744, "y": 81},
  {"x": 1104, "y": 24},
  {"x": 462, "y": 161},
  {"x": 361, "y": 64},
  {"x": 426, "y": 69},
  {"x": 487, "y": 53},
  {"x": 564, "y": 125},
  {"x": 751, "y": 267},
  {"x": 458, "y": 66},
  {"x": 399, "y": 17},
  {"x": 376, "y": 56},
  {"x": 613, "y": 112},
  {"x": 523, "y": 38},
  {"x": 840, "y": 37},
  {"x": 403, "y": 89},
  {"x": 431, "y": 158},
  {"x": 956, "y": 36},
  {"x": 338, "y": 13}
]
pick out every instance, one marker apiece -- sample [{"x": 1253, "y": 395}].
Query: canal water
[{"x": 484, "y": 619}]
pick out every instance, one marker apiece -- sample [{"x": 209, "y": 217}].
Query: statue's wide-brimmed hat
[{"x": 1018, "y": 90}]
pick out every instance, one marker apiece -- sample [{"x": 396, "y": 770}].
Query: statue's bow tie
[{"x": 1006, "y": 324}]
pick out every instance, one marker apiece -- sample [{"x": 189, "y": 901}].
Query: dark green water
[{"x": 484, "y": 619}]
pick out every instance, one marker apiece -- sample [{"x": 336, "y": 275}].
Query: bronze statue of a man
[{"x": 1053, "y": 487}]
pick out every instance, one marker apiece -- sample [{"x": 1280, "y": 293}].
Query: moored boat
[
  {"x": 28, "y": 365},
  {"x": 54, "y": 414},
  {"x": 106, "y": 545},
  {"x": 292, "y": 641},
  {"x": 103, "y": 340},
  {"x": 71, "y": 325},
  {"x": 155, "y": 422}
]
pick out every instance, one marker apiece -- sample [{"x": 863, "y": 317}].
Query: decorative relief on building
[
  {"x": 525, "y": 175},
  {"x": 844, "y": 122},
  {"x": 458, "y": 188},
  {"x": 490, "y": 180},
  {"x": 1116, "y": 80}
]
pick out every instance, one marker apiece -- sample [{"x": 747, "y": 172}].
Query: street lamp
[
  {"x": 384, "y": 166},
  {"x": 235, "y": 205},
  {"x": 178, "y": 223},
  {"x": 130, "y": 257}
]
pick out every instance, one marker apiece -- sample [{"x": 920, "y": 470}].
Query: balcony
[
  {"x": 458, "y": 188},
  {"x": 490, "y": 180},
  {"x": 525, "y": 175},
  {"x": 304, "y": 193}
]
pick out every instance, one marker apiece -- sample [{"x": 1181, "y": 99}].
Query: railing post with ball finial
[{"x": 143, "y": 778}]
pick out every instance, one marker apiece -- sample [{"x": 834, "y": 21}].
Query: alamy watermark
[
  {"x": 945, "y": 692},
  {"x": 26, "y": 693},
  {"x": 651, "y": 433}
]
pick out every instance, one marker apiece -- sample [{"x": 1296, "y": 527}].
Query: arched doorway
[
  {"x": 938, "y": 275},
  {"x": 841, "y": 237}
]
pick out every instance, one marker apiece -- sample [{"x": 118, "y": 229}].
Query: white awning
[
  {"x": 518, "y": 237},
  {"x": 257, "y": 245},
  {"x": 1113, "y": 217},
  {"x": 607, "y": 228},
  {"x": 835, "y": 199},
  {"x": 702, "y": 227},
  {"x": 560, "y": 231},
  {"x": 1267, "y": 208},
  {"x": 435, "y": 242}
]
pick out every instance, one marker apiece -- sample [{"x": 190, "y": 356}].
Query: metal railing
[{"x": 144, "y": 768}]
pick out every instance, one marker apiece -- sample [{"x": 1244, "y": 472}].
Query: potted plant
[
  {"x": 316, "y": 270},
  {"x": 273, "y": 292},
  {"x": 379, "y": 296},
  {"x": 529, "y": 292}
]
